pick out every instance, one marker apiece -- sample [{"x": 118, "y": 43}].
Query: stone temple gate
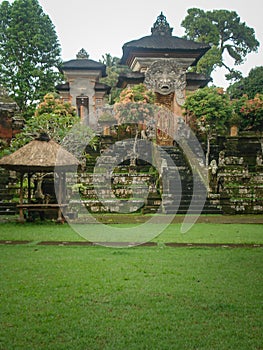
[{"x": 159, "y": 60}]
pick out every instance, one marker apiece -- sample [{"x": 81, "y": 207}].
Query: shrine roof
[
  {"x": 102, "y": 87},
  {"x": 162, "y": 40},
  {"x": 84, "y": 64},
  {"x": 63, "y": 87},
  {"x": 131, "y": 77},
  {"x": 98, "y": 87},
  {"x": 165, "y": 43},
  {"x": 136, "y": 78}
]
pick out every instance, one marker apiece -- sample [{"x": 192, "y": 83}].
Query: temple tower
[
  {"x": 82, "y": 87},
  {"x": 161, "y": 61}
]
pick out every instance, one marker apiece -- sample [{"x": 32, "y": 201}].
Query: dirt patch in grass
[
  {"x": 124, "y": 244},
  {"x": 213, "y": 219},
  {"x": 137, "y": 219},
  {"x": 14, "y": 242}
]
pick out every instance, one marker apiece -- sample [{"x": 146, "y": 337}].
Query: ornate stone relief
[
  {"x": 82, "y": 54},
  {"x": 166, "y": 77},
  {"x": 161, "y": 26}
]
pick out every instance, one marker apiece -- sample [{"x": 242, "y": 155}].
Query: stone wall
[
  {"x": 236, "y": 182},
  {"x": 10, "y": 122},
  {"x": 239, "y": 177}
]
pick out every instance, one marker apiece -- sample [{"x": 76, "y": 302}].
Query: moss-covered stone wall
[{"x": 239, "y": 177}]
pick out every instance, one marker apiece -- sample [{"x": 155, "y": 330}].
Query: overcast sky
[{"x": 104, "y": 26}]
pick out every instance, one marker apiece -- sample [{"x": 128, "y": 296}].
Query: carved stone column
[{"x": 168, "y": 80}]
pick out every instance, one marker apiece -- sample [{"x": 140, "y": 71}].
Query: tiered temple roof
[
  {"x": 84, "y": 64},
  {"x": 161, "y": 43}
]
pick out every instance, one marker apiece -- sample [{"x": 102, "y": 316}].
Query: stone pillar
[{"x": 168, "y": 80}]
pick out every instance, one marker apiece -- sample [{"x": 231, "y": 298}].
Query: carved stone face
[
  {"x": 164, "y": 81},
  {"x": 166, "y": 77}
]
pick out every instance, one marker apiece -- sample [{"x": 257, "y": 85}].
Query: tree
[
  {"x": 135, "y": 104},
  {"x": 208, "y": 111},
  {"x": 250, "y": 85},
  {"x": 224, "y": 31},
  {"x": 250, "y": 112},
  {"x": 59, "y": 121},
  {"x": 113, "y": 69},
  {"x": 29, "y": 53},
  {"x": 110, "y": 61},
  {"x": 53, "y": 117}
]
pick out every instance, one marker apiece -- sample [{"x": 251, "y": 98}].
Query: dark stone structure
[{"x": 10, "y": 120}]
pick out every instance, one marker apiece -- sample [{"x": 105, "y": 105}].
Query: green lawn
[
  {"x": 55, "y": 297},
  {"x": 199, "y": 233}
]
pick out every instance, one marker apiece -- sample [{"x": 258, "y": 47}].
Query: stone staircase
[
  {"x": 129, "y": 181},
  {"x": 188, "y": 190},
  {"x": 124, "y": 192}
]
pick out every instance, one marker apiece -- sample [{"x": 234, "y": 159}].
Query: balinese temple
[
  {"x": 161, "y": 62},
  {"x": 83, "y": 88}
]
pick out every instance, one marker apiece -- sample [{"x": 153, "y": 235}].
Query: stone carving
[
  {"x": 232, "y": 160},
  {"x": 144, "y": 135},
  {"x": 166, "y": 77},
  {"x": 213, "y": 176},
  {"x": 221, "y": 160},
  {"x": 82, "y": 54},
  {"x": 213, "y": 167},
  {"x": 245, "y": 172},
  {"x": 161, "y": 26},
  {"x": 259, "y": 160}
]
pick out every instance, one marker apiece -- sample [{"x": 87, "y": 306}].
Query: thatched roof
[{"x": 40, "y": 156}]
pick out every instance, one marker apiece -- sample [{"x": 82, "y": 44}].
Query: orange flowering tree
[
  {"x": 53, "y": 117},
  {"x": 135, "y": 105},
  {"x": 251, "y": 112}
]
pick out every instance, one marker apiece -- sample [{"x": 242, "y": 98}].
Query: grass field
[
  {"x": 59, "y": 298},
  {"x": 199, "y": 233}
]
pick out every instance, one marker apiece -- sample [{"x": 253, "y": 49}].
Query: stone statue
[
  {"x": 241, "y": 161},
  {"x": 221, "y": 159},
  {"x": 245, "y": 172},
  {"x": 144, "y": 135},
  {"x": 213, "y": 167},
  {"x": 213, "y": 176},
  {"x": 259, "y": 160},
  {"x": 165, "y": 77}
]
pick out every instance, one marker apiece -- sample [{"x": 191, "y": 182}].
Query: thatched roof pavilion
[{"x": 41, "y": 155}]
